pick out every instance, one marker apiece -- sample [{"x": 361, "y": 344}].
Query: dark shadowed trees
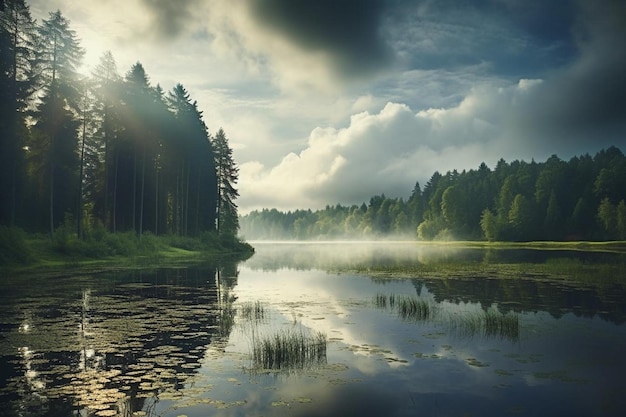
[
  {"x": 55, "y": 142},
  {"x": 18, "y": 37},
  {"x": 227, "y": 176},
  {"x": 101, "y": 151},
  {"x": 193, "y": 163}
]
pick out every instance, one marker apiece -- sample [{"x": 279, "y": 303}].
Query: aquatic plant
[
  {"x": 383, "y": 300},
  {"x": 409, "y": 308},
  {"x": 489, "y": 323},
  {"x": 415, "y": 309},
  {"x": 252, "y": 311},
  {"x": 502, "y": 325},
  {"x": 288, "y": 350}
]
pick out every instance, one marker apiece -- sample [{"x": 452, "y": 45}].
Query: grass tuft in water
[
  {"x": 408, "y": 308},
  {"x": 252, "y": 311},
  {"x": 289, "y": 350},
  {"x": 414, "y": 309},
  {"x": 489, "y": 323}
]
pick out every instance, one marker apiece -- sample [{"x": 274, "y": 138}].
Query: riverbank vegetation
[
  {"x": 103, "y": 164},
  {"x": 22, "y": 251},
  {"x": 556, "y": 200}
]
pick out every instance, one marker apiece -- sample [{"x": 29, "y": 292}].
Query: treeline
[
  {"x": 105, "y": 150},
  {"x": 580, "y": 199}
]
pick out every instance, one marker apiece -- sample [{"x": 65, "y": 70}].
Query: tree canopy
[
  {"x": 102, "y": 151},
  {"x": 580, "y": 199}
]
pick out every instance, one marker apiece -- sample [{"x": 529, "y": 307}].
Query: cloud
[
  {"x": 582, "y": 104},
  {"x": 518, "y": 38},
  {"x": 385, "y": 152},
  {"x": 171, "y": 18},
  {"x": 347, "y": 31},
  {"x": 315, "y": 45}
]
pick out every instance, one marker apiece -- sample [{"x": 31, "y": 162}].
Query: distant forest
[
  {"x": 101, "y": 151},
  {"x": 581, "y": 199}
]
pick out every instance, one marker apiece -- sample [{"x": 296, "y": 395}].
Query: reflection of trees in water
[
  {"x": 529, "y": 295},
  {"x": 470, "y": 321},
  {"x": 110, "y": 344},
  {"x": 472, "y": 274}
]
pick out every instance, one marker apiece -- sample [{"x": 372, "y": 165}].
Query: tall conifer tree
[{"x": 227, "y": 177}]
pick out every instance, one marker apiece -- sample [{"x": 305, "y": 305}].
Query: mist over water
[{"x": 368, "y": 329}]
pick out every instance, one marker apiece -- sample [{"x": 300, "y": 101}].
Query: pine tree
[
  {"x": 58, "y": 56},
  {"x": 197, "y": 157},
  {"x": 18, "y": 35},
  {"x": 227, "y": 176},
  {"x": 106, "y": 88}
]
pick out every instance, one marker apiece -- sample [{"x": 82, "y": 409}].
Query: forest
[
  {"x": 580, "y": 199},
  {"x": 102, "y": 152}
]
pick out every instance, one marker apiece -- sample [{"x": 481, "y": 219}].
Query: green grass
[
  {"x": 21, "y": 252},
  {"x": 408, "y": 308},
  {"x": 488, "y": 323},
  {"x": 252, "y": 311},
  {"x": 414, "y": 309},
  {"x": 288, "y": 350},
  {"x": 586, "y": 246}
]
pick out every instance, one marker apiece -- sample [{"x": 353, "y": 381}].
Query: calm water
[{"x": 180, "y": 342}]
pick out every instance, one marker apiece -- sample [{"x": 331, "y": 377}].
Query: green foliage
[
  {"x": 518, "y": 201},
  {"x": 13, "y": 247},
  {"x": 489, "y": 225},
  {"x": 521, "y": 218},
  {"x": 147, "y": 163},
  {"x": 288, "y": 350}
]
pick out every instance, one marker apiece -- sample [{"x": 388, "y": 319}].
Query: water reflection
[
  {"x": 113, "y": 346},
  {"x": 443, "y": 340},
  {"x": 585, "y": 283}
]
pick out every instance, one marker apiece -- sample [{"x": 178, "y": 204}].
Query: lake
[{"x": 323, "y": 329}]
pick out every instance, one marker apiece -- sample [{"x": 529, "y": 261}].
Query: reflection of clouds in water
[{"x": 325, "y": 303}]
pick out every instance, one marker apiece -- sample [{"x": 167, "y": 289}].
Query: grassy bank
[
  {"x": 20, "y": 251},
  {"x": 586, "y": 246}
]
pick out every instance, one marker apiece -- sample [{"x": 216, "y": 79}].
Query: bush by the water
[{"x": 13, "y": 248}]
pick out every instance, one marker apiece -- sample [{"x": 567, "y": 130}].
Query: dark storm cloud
[
  {"x": 516, "y": 38},
  {"x": 349, "y": 30},
  {"x": 584, "y": 104},
  {"x": 171, "y": 17}
]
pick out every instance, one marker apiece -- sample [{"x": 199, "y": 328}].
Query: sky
[{"x": 335, "y": 101}]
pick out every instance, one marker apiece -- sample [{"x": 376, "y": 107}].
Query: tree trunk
[
  {"x": 156, "y": 200},
  {"x": 52, "y": 194},
  {"x": 187, "y": 202},
  {"x": 143, "y": 183},
  {"x": 106, "y": 219},
  {"x": 79, "y": 213},
  {"x": 197, "y": 230},
  {"x": 134, "y": 214},
  {"x": 115, "y": 195}
]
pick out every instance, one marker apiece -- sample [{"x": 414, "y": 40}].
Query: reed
[
  {"x": 486, "y": 323},
  {"x": 252, "y": 311},
  {"x": 288, "y": 350},
  {"x": 408, "y": 308},
  {"x": 414, "y": 309}
]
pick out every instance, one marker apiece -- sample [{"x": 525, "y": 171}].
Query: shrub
[{"x": 13, "y": 248}]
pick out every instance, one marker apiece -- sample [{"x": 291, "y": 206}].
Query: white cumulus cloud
[{"x": 386, "y": 152}]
